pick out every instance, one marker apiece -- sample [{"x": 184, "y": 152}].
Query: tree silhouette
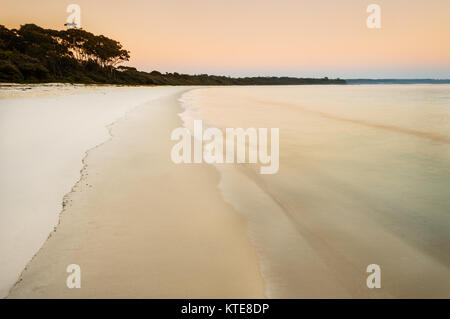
[{"x": 35, "y": 54}]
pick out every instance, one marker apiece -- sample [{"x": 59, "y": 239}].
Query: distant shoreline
[
  {"x": 176, "y": 79},
  {"x": 36, "y": 55},
  {"x": 397, "y": 81},
  {"x": 347, "y": 82}
]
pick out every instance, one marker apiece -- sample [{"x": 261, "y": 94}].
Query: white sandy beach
[
  {"x": 137, "y": 224},
  {"x": 363, "y": 180},
  {"x": 45, "y": 132}
]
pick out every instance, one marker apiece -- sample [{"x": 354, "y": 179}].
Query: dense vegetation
[{"x": 32, "y": 54}]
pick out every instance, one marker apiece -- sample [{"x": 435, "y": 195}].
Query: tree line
[{"x": 32, "y": 54}]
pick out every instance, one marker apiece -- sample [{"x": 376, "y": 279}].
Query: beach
[
  {"x": 212, "y": 158},
  {"x": 363, "y": 180},
  {"x": 141, "y": 227},
  {"x": 45, "y": 132}
]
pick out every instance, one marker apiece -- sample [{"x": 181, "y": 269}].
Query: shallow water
[{"x": 364, "y": 179}]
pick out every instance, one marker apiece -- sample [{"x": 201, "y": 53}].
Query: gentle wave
[{"x": 392, "y": 128}]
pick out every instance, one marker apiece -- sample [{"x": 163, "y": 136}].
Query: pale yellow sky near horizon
[{"x": 263, "y": 37}]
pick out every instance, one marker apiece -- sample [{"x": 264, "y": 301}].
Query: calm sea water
[{"x": 364, "y": 179}]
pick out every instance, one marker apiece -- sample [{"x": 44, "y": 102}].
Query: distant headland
[
  {"x": 398, "y": 81},
  {"x": 32, "y": 54}
]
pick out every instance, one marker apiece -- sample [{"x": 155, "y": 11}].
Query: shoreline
[
  {"x": 82, "y": 173},
  {"x": 45, "y": 134},
  {"x": 38, "y": 272}
]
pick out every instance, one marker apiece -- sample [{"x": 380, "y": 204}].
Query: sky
[{"x": 302, "y": 38}]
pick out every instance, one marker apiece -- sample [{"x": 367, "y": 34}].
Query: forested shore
[{"x": 32, "y": 54}]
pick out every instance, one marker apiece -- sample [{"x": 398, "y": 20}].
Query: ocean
[{"x": 364, "y": 178}]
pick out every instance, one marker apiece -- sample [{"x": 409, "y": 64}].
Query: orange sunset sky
[{"x": 263, "y": 37}]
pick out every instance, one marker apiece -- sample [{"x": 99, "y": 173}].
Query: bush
[{"x": 9, "y": 72}]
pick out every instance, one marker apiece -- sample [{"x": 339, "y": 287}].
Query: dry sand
[{"x": 140, "y": 226}]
